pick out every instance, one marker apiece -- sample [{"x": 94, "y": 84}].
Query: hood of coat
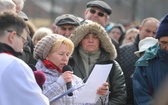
[{"x": 93, "y": 27}]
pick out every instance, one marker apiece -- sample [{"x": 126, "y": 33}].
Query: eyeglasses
[
  {"x": 25, "y": 42},
  {"x": 93, "y": 11}
]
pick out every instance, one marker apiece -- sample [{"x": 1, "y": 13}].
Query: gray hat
[
  {"x": 101, "y": 4},
  {"x": 43, "y": 47},
  {"x": 23, "y": 15},
  {"x": 67, "y": 19}
]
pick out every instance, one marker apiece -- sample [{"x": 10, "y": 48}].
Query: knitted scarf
[{"x": 50, "y": 65}]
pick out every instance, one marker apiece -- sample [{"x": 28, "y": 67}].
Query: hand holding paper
[
  {"x": 103, "y": 90},
  {"x": 99, "y": 75}
]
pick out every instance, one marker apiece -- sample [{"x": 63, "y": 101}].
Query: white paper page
[{"x": 96, "y": 79}]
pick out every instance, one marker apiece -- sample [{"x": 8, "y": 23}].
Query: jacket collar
[{"x": 4, "y": 48}]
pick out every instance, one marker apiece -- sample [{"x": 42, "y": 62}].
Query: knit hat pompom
[
  {"x": 163, "y": 27},
  {"x": 43, "y": 47}
]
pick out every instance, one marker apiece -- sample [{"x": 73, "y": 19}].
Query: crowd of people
[{"x": 139, "y": 57}]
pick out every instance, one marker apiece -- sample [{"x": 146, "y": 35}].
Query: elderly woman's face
[
  {"x": 90, "y": 43},
  {"x": 60, "y": 57}
]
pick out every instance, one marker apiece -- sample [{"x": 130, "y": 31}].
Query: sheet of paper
[{"x": 96, "y": 79}]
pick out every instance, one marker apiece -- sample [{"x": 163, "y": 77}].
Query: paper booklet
[
  {"x": 88, "y": 92},
  {"x": 97, "y": 77}
]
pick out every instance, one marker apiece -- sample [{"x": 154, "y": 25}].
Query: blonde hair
[
  {"x": 132, "y": 30},
  {"x": 64, "y": 41},
  {"x": 40, "y": 33}
]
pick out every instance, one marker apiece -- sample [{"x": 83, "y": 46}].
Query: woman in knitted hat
[
  {"x": 52, "y": 53},
  {"x": 93, "y": 46}
]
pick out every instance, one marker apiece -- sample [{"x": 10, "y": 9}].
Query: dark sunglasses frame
[{"x": 93, "y": 11}]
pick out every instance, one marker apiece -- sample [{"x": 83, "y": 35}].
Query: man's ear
[
  {"x": 56, "y": 30},
  {"x": 86, "y": 11},
  {"x": 11, "y": 37}
]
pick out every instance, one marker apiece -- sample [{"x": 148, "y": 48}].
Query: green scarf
[{"x": 89, "y": 59}]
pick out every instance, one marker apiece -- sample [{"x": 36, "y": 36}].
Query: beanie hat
[
  {"x": 43, "y": 47},
  {"x": 163, "y": 27}
]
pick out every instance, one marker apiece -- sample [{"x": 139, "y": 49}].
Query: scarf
[
  {"x": 89, "y": 59},
  {"x": 4, "y": 48},
  {"x": 50, "y": 65}
]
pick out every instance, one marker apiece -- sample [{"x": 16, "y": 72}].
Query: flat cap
[
  {"x": 23, "y": 15},
  {"x": 101, "y": 4},
  {"x": 67, "y": 19}
]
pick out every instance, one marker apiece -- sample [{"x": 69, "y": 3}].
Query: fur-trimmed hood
[{"x": 93, "y": 27}]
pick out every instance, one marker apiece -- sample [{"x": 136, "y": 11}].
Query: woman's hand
[
  {"x": 104, "y": 89},
  {"x": 67, "y": 76}
]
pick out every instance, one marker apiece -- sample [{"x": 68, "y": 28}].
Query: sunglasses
[{"x": 93, "y": 11}]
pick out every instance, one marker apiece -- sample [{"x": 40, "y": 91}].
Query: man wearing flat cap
[
  {"x": 66, "y": 24},
  {"x": 98, "y": 11}
]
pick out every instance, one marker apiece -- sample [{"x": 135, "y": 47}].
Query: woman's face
[
  {"x": 115, "y": 33},
  {"x": 90, "y": 43},
  {"x": 60, "y": 57}
]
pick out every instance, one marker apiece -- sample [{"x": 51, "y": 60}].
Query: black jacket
[{"x": 116, "y": 78}]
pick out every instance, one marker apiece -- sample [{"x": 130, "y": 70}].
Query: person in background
[
  {"x": 93, "y": 46},
  {"x": 144, "y": 44},
  {"x": 130, "y": 36},
  {"x": 99, "y": 11},
  {"x": 66, "y": 24},
  {"x": 53, "y": 52},
  {"x": 147, "y": 28},
  {"x": 109, "y": 26},
  {"x": 32, "y": 28},
  {"x": 117, "y": 32},
  {"x": 27, "y": 54},
  {"x": 40, "y": 33},
  {"x": 18, "y": 85},
  {"x": 152, "y": 68}
]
